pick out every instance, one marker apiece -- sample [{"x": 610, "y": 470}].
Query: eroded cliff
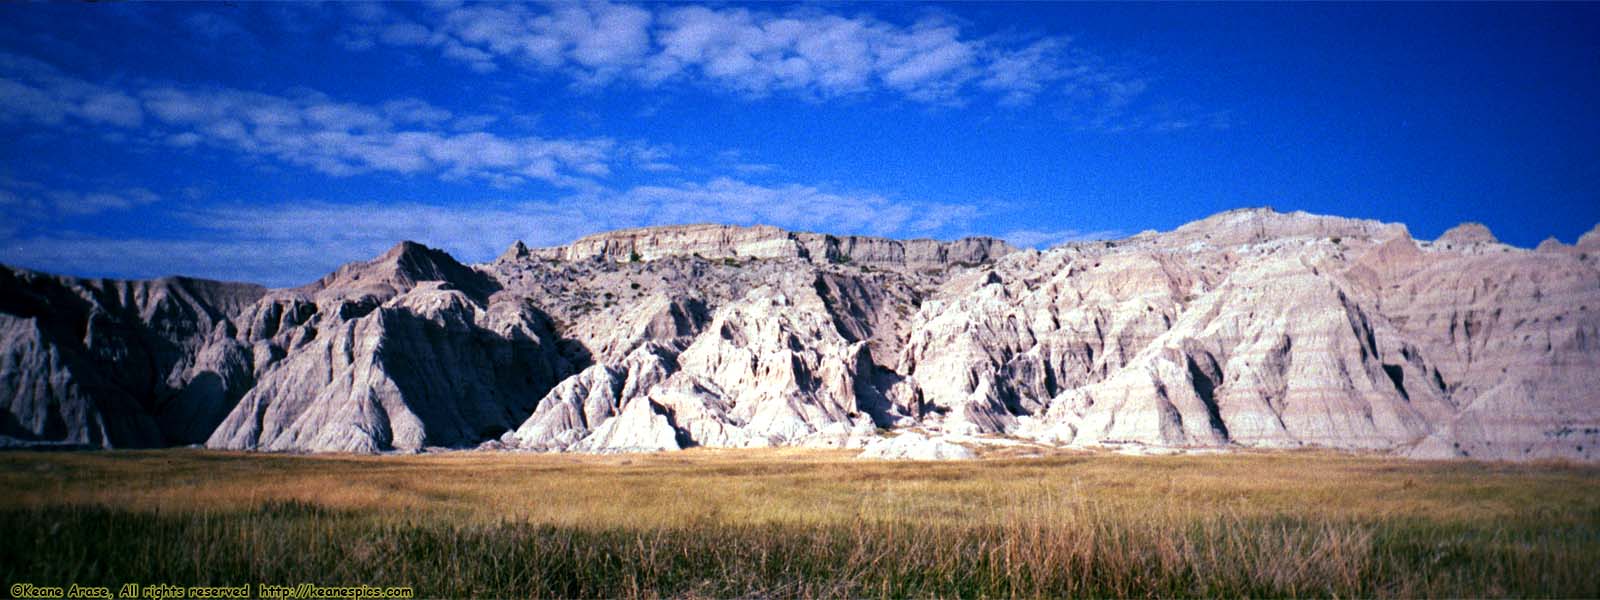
[{"x": 1251, "y": 328}]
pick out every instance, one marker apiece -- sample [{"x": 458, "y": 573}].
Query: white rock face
[
  {"x": 1254, "y": 365},
  {"x": 394, "y": 362},
  {"x": 770, "y": 368},
  {"x": 911, "y": 445},
  {"x": 569, "y": 412},
  {"x": 1247, "y": 329},
  {"x": 640, "y": 427},
  {"x": 779, "y": 365}
]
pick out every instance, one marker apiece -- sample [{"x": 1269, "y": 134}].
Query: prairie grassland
[{"x": 795, "y": 523}]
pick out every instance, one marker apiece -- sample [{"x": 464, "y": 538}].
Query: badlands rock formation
[
  {"x": 915, "y": 446},
  {"x": 763, "y": 241},
  {"x": 1248, "y": 329},
  {"x": 103, "y": 363}
]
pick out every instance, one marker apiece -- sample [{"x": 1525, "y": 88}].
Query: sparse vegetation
[{"x": 806, "y": 523}]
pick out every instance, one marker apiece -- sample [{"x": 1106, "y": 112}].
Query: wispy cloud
[
  {"x": 338, "y": 138},
  {"x": 805, "y": 52},
  {"x": 34, "y": 91},
  {"x": 28, "y": 201},
  {"x": 273, "y": 243},
  {"x": 214, "y": 27},
  {"x": 793, "y": 206},
  {"x": 310, "y": 129},
  {"x": 739, "y": 162}
]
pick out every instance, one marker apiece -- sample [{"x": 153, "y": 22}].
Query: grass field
[{"x": 794, "y": 523}]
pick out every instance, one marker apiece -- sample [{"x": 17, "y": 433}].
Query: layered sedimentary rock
[
  {"x": 1515, "y": 340},
  {"x": 1250, "y": 328},
  {"x": 732, "y": 241}
]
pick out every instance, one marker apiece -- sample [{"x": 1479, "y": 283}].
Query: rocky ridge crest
[{"x": 764, "y": 241}]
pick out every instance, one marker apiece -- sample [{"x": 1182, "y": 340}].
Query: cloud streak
[
  {"x": 27, "y": 201},
  {"x": 34, "y": 91},
  {"x": 290, "y": 244},
  {"x": 309, "y": 129}
]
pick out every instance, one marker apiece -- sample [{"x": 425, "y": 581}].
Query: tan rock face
[
  {"x": 1468, "y": 233},
  {"x": 1590, "y": 240},
  {"x": 1551, "y": 244},
  {"x": 1513, "y": 339},
  {"x": 1250, "y": 328}
]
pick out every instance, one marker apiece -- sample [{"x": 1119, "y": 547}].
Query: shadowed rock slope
[
  {"x": 1250, "y": 328},
  {"x": 114, "y": 364}
]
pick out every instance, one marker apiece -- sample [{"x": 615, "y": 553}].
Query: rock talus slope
[{"x": 1250, "y": 328}]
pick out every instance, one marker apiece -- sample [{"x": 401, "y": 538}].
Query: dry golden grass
[
  {"x": 819, "y": 523},
  {"x": 798, "y": 486}
]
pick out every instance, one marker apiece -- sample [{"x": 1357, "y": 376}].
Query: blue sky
[{"x": 272, "y": 142}]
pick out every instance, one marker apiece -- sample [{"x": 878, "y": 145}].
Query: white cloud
[
  {"x": 794, "y": 206},
  {"x": 804, "y": 52},
  {"x": 1020, "y": 76},
  {"x": 810, "y": 54},
  {"x": 405, "y": 136},
  {"x": 290, "y": 244}
]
